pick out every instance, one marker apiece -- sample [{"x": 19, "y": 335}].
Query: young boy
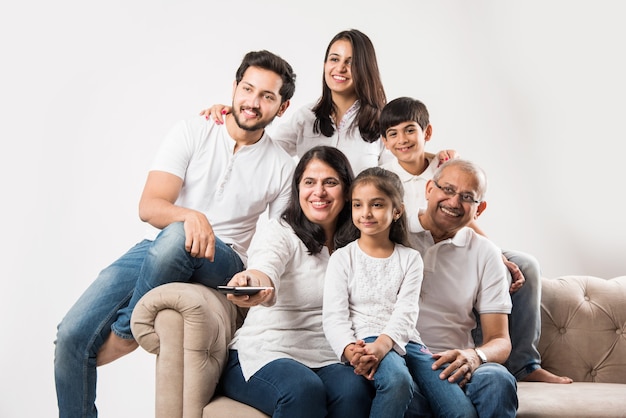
[{"x": 405, "y": 128}]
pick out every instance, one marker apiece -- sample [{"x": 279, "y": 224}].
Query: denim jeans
[
  {"x": 525, "y": 318},
  {"x": 394, "y": 386},
  {"x": 88, "y": 323},
  {"x": 444, "y": 398},
  {"x": 285, "y": 388},
  {"x": 492, "y": 390},
  {"x": 167, "y": 261},
  {"x": 394, "y": 379}
]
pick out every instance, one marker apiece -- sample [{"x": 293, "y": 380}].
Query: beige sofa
[{"x": 189, "y": 326}]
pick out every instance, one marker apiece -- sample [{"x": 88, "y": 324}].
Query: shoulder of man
[
  {"x": 486, "y": 247},
  {"x": 275, "y": 149}
]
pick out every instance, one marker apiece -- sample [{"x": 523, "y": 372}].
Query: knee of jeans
[
  {"x": 63, "y": 340},
  {"x": 356, "y": 395},
  {"x": 527, "y": 263},
  {"x": 496, "y": 377},
  {"x": 405, "y": 386},
  {"x": 171, "y": 238},
  {"x": 400, "y": 382},
  {"x": 309, "y": 388},
  {"x": 174, "y": 230},
  {"x": 71, "y": 342}
]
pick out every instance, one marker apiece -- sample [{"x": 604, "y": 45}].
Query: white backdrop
[{"x": 533, "y": 91}]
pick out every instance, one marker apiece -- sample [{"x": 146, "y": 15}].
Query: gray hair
[{"x": 468, "y": 167}]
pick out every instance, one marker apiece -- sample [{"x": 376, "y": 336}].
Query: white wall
[{"x": 534, "y": 91}]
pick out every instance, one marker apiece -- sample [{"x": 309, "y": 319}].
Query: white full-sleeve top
[
  {"x": 365, "y": 296},
  {"x": 292, "y": 326}
]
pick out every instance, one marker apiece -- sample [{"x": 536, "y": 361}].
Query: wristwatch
[{"x": 481, "y": 355}]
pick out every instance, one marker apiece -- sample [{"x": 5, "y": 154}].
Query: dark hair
[
  {"x": 311, "y": 234},
  {"x": 367, "y": 83},
  {"x": 403, "y": 109},
  {"x": 390, "y": 184},
  {"x": 271, "y": 62}
]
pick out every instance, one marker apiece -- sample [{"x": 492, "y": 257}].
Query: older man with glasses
[{"x": 463, "y": 276}]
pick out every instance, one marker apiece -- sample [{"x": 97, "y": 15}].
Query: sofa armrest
[{"x": 188, "y": 327}]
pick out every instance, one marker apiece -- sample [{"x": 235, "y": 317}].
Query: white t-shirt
[
  {"x": 292, "y": 326},
  {"x": 366, "y": 296},
  {"x": 296, "y": 136},
  {"x": 414, "y": 188},
  {"x": 231, "y": 188},
  {"x": 460, "y": 274}
]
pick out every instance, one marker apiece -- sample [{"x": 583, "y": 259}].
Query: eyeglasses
[{"x": 450, "y": 192}]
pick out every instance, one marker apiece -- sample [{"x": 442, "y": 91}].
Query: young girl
[{"x": 370, "y": 309}]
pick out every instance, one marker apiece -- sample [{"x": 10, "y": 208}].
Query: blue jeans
[
  {"x": 525, "y": 318},
  {"x": 492, "y": 390},
  {"x": 88, "y": 323},
  {"x": 445, "y": 399},
  {"x": 285, "y": 388},
  {"x": 394, "y": 386},
  {"x": 394, "y": 379},
  {"x": 167, "y": 261}
]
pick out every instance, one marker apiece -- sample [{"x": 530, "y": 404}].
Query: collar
[
  {"x": 426, "y": 175},
  {"x": 461, "y": 239}
]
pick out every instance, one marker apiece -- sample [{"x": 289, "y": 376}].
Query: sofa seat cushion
[
  {"x": 536, "y": 400},
  {"x": 221, "y": 407},
  {"x": 578, "y": 399}
]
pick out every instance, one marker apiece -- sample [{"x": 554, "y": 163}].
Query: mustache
[{"x": 250, "y": 109}]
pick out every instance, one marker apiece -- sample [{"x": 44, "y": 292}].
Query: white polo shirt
[
  {"x": 231, "y": 188},
  {"x": 460, "y": 274}
]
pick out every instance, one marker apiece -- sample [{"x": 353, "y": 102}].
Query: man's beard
[{"x": 259, "y": 125}]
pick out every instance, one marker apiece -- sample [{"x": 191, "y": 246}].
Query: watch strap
[{"x": 481, "y": 355}]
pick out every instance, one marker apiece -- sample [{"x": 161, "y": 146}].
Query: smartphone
[{"x": 242, "y": 290}]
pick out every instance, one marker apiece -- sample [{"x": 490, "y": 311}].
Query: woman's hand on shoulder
[
  {"x": 216, "y": 112},
  {"x": 447, "y": 154}
]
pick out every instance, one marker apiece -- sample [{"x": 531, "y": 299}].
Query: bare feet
[
  {"x": 542, "y": 375},
  {"x": 113, "y": 348}
]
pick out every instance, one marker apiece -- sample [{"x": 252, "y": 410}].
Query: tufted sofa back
[{"x": 583, "y": 328}]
